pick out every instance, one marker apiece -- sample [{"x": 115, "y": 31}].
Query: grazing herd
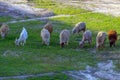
[{"x": 65, "y": 35}]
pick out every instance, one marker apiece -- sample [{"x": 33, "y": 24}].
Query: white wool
[
  {"x": 22, "y": 38},
  {"x": 45, "y": 34}
]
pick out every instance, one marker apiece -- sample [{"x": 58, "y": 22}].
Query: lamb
[
  {"x": 64, "y": 37},
  {"x": 100, "y": 39},
  {"x": 4, "y": 30},
  {"x": 81, "y": 26},
  {"x": 45, "y": 34},
  {"x": 49, "y": 27},
  {"x": 22, "y": 38},
  {"x": 112, "y": 36},
  {"x": 87, "y": 36}
]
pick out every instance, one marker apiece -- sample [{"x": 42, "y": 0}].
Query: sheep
[
  {"x": 22, "y": 38},
  {"x": 64, "y": 37},
  {"x": 49, "y": 27},
  {"x": 87, "y": 36},
  {"x": 45, "y": 34},
  {"x": 100, "y": 39},
  {"x": 4, "y": 30},
  {"x": 112, "y": 36},
  {"x": 81, "y": 26}
]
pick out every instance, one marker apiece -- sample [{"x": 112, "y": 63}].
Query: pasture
[{"x": 35, "y": 58}]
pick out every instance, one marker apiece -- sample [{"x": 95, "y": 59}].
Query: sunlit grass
[{"x": 35, "y": 57}]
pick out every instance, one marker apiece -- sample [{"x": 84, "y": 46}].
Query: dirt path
[
  {"x": 39, "y": 19},
  {"x": 103, "y": 71},
  {"x": 111, "y": 7},
  {"x": 22, "y": 9}
]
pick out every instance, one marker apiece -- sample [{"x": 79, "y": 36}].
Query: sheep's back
[
  {"x": 49, "y": 27},
  {"x": 45, "y": 34},
  {"x": 112, "y": 34},
  {"x": 64, "y": 36}
]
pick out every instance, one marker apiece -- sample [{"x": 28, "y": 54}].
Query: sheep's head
[
  {"x": 47, "y": 43},
  {"x": 62, "y": 44},
  {"x": 112, "y": 42},
  {"x": 74, "y": 31},
  {"x": 16, "y": 42},
  {"x": 81, "y": 44}
]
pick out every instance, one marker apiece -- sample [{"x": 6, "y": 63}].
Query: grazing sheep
[
  {"x": 87, "y": 36},
  {"x": 49, "y": 27},
  {"x": 112, "y": 36},
  {"x": 81, "y": 26},
  {"x": 45, "y": 34},
  {"x": 22, "y": 38},
  {"x": 64, "y": 37},
  {"x": 4, "y": 30},
  {"x": 100, "y": 39}
]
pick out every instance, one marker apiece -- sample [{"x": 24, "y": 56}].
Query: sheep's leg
[
  {"x": 23, "y": 44},
  {"x": 67, "y": 43},
  {"x": 114, "y": 44},
  {"x": 110, "y": 44},
  {"x": 89, "y": 42}
]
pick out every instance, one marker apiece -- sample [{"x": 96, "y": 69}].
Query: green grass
[
  {"x": 58, "y": 8},
  {"x": 34, "y": 57},
  {"x": 55, "y": 77}
]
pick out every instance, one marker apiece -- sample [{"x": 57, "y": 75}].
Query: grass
[
  {"x": 55, "y": 77},
  {"x": 34, "y": 57}
]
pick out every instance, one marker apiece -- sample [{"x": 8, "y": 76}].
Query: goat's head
[{"x": 16, "y": 42}]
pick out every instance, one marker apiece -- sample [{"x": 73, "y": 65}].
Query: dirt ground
[{"x": 109, "y": 7}]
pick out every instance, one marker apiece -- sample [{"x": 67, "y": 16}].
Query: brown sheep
[
  {"x": 49, "y": 27},
  {"x": 4, "y": 30},
  {"x": 100, "y": 39},
  {"x": 112, "y": 36}
]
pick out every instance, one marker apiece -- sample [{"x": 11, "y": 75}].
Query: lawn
[{"x": 34, "y": 57}]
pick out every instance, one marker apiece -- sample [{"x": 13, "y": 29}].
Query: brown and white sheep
[
  {"x": 100, "y": 39},
  {"x": 87, "y": 36},
  {"x": 49, "y": 27},
  {"x": 64, "y": 37},
  {"x": 45, "y": 36},
  {"x": 112, "y": 36},
  {"x": 4, "y": 30},
  {"x": 81, "y": 26}
]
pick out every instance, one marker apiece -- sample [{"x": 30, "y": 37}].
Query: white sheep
[
  {"x": 81, "y": 26},
  {"x": 100, "y": 39},
  {"x": 45, "y": 34},
  {"x": 87, "y": 36},
  {"x": 64, "y": 37},
  {"x": 4, "y": 30},
  {"x": 22, "y": 38}
]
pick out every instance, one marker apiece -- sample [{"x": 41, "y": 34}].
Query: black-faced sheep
[
  {"x": 81, "y": 26},
  {"x": 112, "y": 36},
  {"x": 22, "y": 38},
  {"x": 45, "y": 34},
  {"x": 49, "y": 27},
  {"x": 64, "y": 37},
  {"x": 87, "y": 36},
  {"x": 4, "y": 30},
  {"x": 100, "y": 39}
]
